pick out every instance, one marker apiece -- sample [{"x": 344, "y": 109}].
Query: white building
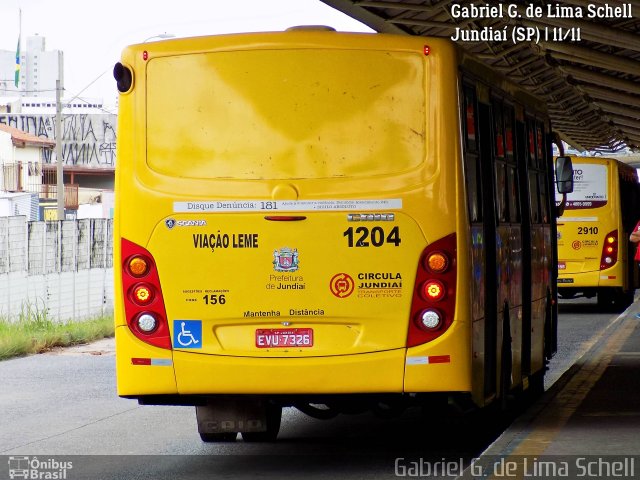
[
  {"x": 36, "y": 91},
  {"x": 39, "y": 70},
  {"x": 7, "y": 73},
  {"x": 42, "y": 105}
]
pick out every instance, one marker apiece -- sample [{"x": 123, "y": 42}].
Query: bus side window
[
  {"x": 533, "y": 190},
  {"x": 470, "y": 119},
  {"x": 531, "y": 144},
  {"x": 542, "y": 165},
  {"x": 540, "y": 147},
  {"x": 512, "y": 173},
  {"x": 473, "y": 190},
  {"x": 473, "y": 174},
  {"x": 508, "y": 132},
  {"x": 499, "y": 129},
  {"x": 502, "y": 192},
  {"x": 514, "y": 204},
  {"x": 544, "y": 204}
]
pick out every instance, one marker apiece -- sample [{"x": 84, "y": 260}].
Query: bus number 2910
[{"x": 587, "y": 230}]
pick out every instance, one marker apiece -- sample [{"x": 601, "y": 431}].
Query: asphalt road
[{"x": 63, "y": 403}]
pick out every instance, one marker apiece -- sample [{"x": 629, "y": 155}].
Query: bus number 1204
[{"x": 363, "y": 237}]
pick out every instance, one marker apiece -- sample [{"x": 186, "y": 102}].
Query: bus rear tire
[
  {"x": 622, "y": 299},
  {"x": 605, "y": 299},
  {"x": 567, "y": 293},
  {"x": 536, "y": 385},
  {"x": 614, "y": 299}
]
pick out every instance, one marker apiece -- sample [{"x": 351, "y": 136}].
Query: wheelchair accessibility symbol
[{"x": 187, "y": 334}]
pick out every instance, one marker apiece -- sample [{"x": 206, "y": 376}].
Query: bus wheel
[
  {"x": 219, "y": 437},
  {"x": 274, "y": 417},
  {"x": 536, "y": 384},
  {"x": 622, "y": 299},
  {"x": 567, "y": 293},
  {"x": 505, "y": 363},
  {"x": 605, "y": 299}
]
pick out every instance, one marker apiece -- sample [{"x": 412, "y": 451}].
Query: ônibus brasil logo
[{"x": 27, "y": 467}]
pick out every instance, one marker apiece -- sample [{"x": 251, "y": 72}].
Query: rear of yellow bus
[
  {"x": 287, "y": 225},
  {"x": 592, "y": 243}
]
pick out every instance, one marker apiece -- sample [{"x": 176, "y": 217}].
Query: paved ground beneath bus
[{"x": 587, "y": 424}]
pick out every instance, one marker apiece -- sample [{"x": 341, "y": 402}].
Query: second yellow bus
[{"x": 595, "y": 257}]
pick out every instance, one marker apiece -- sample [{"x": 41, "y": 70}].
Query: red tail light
[
  {"x": 434, "y": 294},
  {"x": 609, "y": 255},
  {"x": 433, "y": 290},
  {"x": 142, "y": 294},
  {"x": 143, "y": 302}
]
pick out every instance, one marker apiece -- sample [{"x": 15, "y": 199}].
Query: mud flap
[{"x": 232, "y": 414}]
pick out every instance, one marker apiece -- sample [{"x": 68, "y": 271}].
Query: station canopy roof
[{"x": 591, "y": 86}]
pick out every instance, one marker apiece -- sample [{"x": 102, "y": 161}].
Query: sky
[{"x": 93, "y": 33}]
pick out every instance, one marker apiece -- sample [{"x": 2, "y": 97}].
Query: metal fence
[{"x": 61, "y": 269}]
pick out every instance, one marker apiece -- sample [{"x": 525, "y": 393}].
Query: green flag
[{"x": 17, "y": 79}]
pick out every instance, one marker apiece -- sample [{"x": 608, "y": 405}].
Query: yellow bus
[
  {"x": 595, "y": 255},
  {"x": 331, "y": 221}
]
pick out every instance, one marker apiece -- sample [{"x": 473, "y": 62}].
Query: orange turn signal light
[
  {"x": 437, "y": 262},
  {"x": 138, "y": 266}
]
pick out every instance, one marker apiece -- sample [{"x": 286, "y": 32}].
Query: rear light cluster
[
  {"x": 433, "y": 305},
  {"x": 143, "y": 302},
  {"x": 609, "y": 255}
]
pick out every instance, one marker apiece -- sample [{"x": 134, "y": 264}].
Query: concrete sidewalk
[{"x": 587, "y": 425}]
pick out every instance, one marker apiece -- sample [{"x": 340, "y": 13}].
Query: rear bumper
[
  {"x": 419, "y": 369},
  {"x": 371, "y": 372},
  {"x": 133, "y": 380}
]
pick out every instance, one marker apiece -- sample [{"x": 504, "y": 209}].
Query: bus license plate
[{"x": 284, "y": 337}]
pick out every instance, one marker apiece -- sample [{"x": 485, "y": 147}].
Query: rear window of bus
[
  {"x": 321, "y": 113},
  {"x": 589, "y": 186}
]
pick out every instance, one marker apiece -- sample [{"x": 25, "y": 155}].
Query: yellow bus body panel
[
  {"x": 164, "y": 146},
  {"x": 452, "y": 376},
  {"x": 257, "y": 296},
  {"x": 142, "y": 379},
  {"x": 368, "y": 373}
]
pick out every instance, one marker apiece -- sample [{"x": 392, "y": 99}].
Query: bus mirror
[
  {"x": 123, "y": 76},
  {"x": 564, "y": 175}
]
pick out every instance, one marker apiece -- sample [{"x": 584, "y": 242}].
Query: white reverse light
[
  {"x": 147, "y": 323},
  {"x": 430, "y": 319}
]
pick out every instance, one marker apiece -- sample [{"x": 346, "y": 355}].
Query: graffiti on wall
[{"x": 87, "y": 139}]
